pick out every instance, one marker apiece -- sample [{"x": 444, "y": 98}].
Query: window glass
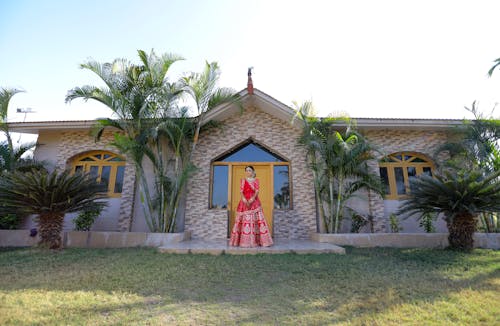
[
  {"x": 251, "y": 153},
  {"x": 281, "y": 187},
  {"x": 428, "y": 171},
  {"x": 106, "y": 167},
  {"x": 412, "y": 174},
  {"x": 219, "y": 186},
  {"x": 120, "y": 172},
  {"x": 105, "y": 174},
  {"x": 400, "y": 169},
  {"x": 385, "y": 179},
  {"x": 400, "y": 181},
  {"x": 94, "y": 171}
]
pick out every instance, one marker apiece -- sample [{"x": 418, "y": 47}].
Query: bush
[
  {"x": 394, "y": 222},
  {"x": 85, "y": 219},
  {"x": 9, "y": 222},
  {"x": 427, "y": 222}
]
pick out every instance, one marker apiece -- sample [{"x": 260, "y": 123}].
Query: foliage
[
  {"x": 9, "y": 222},
  {"x": 460, "y": 195},
  {"x": 394, "y": 223},
  {"x": 153, "y": 124},
  {"x": 86, "y": 218},
  {"x": 476, "y": 144},
  {"x": 338, "y": 156},
  {"x": 358, "y": 221},
  {"x": 14, "y": 159},
  {"x": 203, "y": 90},
  {"x": 49, "y": 196},
  {"x": 427, "y": 222},
  {"x": 145, "y": 104},
  {"x": 489, "y": 222}
]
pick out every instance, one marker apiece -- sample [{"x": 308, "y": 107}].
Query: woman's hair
[{"x": 251, "y": 167}]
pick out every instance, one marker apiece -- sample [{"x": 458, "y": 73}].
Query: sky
[{"x": 381, "y": 59}]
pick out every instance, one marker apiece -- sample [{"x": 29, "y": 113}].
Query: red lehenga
[{"x": 250, "y": 228}]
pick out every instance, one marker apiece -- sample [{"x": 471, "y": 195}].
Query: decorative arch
[
  {"x": 248, "y": 152},
  {"x": 398, "y": 169},
  {"x": 108, "y": 168}
]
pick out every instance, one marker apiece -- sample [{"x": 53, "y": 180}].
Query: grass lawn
[{"x": 143, "y": 287}]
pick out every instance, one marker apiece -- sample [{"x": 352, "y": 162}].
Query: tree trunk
[
  {"x": 461, "y": 231},
  {"x": 50, "y": 225}
]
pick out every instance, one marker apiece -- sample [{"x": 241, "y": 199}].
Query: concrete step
[{"x": 218, "y": 247}]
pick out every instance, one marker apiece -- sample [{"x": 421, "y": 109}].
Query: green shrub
[
  {"x": 394, "y": 222},
  {"x": 427, "y": 222},
  {"x": 9, "y": 222},
  {"x": 85, "y": 219}
]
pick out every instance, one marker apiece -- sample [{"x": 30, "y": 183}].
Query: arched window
[
  {"x": 106, "y": 167},
  {"x": 396, "y": 171}
]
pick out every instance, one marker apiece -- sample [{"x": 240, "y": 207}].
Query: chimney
[{"x": 250, "y": 83}]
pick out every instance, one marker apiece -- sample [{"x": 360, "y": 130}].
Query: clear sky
[{"x": 400, "y": 59}]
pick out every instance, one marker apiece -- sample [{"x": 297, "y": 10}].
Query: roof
[{"x": 258, "y": 99}]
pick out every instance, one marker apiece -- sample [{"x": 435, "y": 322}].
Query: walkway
[{"x": 218, "y": 247}]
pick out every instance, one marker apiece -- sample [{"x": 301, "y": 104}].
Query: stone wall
[
  {"x": 404, "y": 240},
  {"x": 275, "y": 134}
]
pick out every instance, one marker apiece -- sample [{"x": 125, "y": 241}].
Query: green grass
[{"x": 143, "y": 287}]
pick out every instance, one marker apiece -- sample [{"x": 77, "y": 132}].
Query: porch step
[{"x": 218, "y": 247}]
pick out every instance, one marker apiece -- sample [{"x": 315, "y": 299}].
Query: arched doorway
[{"x": 272, "y": 171}]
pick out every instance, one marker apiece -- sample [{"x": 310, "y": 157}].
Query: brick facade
[{"x": 275, "y": 134}]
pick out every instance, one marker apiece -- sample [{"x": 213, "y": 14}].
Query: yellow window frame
[
  {"x": 407, "y": 160},
  {"x": 105, "y": 160}
]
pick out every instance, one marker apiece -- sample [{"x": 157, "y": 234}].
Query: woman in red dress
[{"x": 250, "y": 228}]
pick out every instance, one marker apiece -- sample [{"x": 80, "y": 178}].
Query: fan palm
[
  {"x": 49, "y": 196},
  {"x": 460, "y": 195}
]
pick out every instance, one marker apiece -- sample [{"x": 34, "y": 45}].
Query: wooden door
[{"x": 264, "y": 174}]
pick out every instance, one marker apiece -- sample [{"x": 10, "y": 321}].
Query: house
[{"x": 258, "y": 133}]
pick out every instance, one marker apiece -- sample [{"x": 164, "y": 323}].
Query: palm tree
[
  {"x": 6, "y": 95},
  {"x": 205, "y": 93},
  {"x": 143, "y": 101},
  {"x": 496, "y": 65},
  {"x": 339, "y": 163},
  {"x": 460, "y": 195},
  {"x": 476, "y": 142},
  {"x": 50, "y": 196}
]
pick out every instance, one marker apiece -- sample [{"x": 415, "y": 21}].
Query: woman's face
[{"x": 249, "y": 172}]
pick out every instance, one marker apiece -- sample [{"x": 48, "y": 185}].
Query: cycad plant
[
  {"x": 49, "y": 196},
  {"x": 460, "y": 196}
]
